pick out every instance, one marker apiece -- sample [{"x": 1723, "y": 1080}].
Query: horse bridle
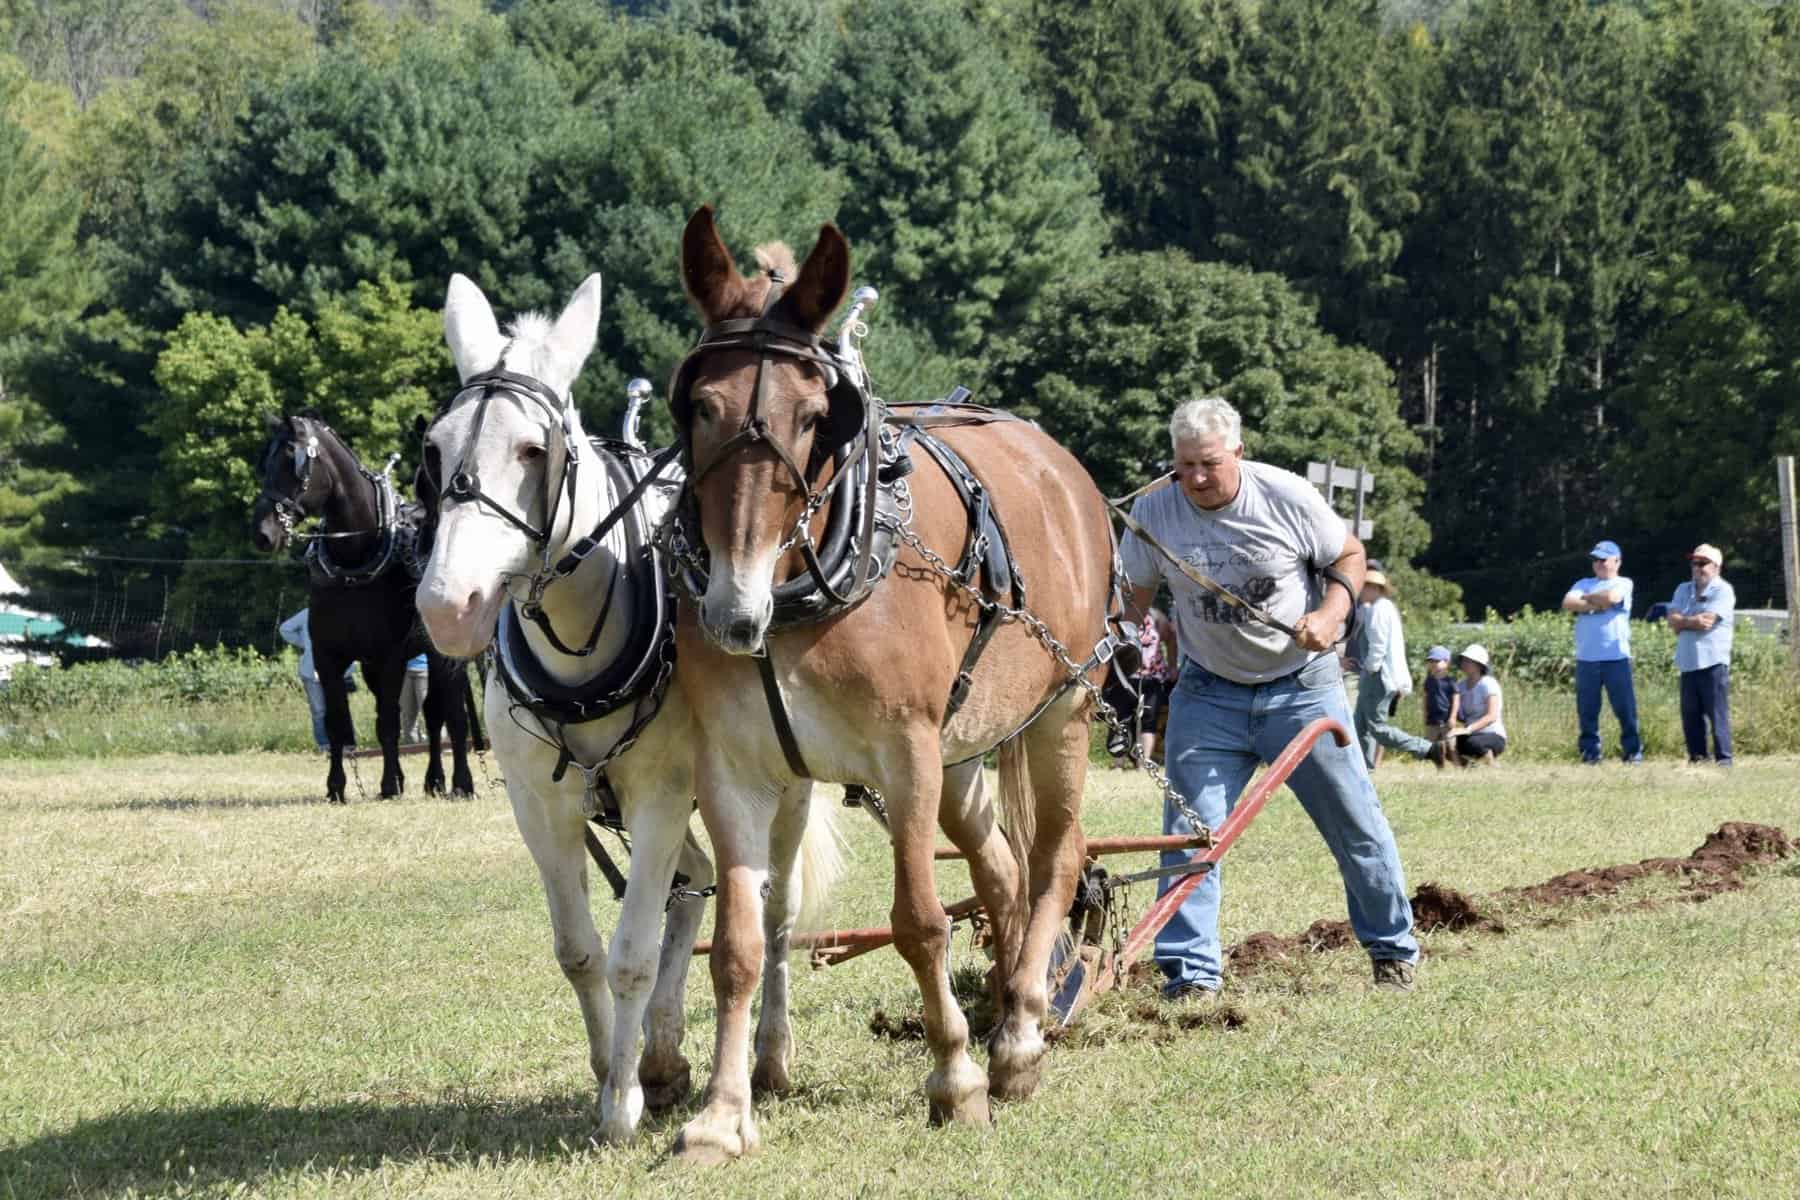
[
  {"x": 767, "y": 338},
  {"x": 290, "y": 509},
  {"x": 464, "y": 487}
]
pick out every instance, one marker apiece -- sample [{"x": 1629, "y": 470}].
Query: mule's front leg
[
  {"x": 968, "y": 818},
  {"x": 658, "y": 823},
  {"x": 552, "y": 829},
  {"x": 774, "y": 1033},
  {"x": 1056, "y": 758},
  {"x": 738, "y": 824},
  {"x": 956, "y": 1087},
  {"x": 663, "y": 1071}
]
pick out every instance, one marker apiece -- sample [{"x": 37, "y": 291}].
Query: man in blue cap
[{"x": 1602, "y": 607}]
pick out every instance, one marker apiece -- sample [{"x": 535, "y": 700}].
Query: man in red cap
[{"x": 1701, "y": 613}]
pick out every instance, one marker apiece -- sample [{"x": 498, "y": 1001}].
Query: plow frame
[{"x": 1090, "y": 974}]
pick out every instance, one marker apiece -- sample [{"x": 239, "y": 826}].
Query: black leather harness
[{"x": 638, "y": 677}]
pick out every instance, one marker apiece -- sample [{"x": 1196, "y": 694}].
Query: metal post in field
[{"x": 1790, "y": 552}]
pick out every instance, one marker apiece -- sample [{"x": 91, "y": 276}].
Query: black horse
[{"x": 362, "y": 568}]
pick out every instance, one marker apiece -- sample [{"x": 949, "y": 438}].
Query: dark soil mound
[{"x": 1715, "y": 867}]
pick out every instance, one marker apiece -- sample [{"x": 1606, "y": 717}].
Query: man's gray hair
[{"x": 1211, "y": 416}]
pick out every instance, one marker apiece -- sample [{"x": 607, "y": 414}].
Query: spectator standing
[
  {"x": 1442, "y": 703},
  {"x": 1482, "y": 735},
  {"x": 413, "y": 690},
  {"x": 1602, "y": 607},
  {"x": 297, "y": 631},
  {"x": 1380, "y": 655},
  {"x": 1701, "y": 614},
  {"x": 1246, "y": 689}
]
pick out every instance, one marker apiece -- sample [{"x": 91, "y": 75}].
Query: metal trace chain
[
  {"x": 675, "y": 543},
  {"x": 1037, "y": 628}
]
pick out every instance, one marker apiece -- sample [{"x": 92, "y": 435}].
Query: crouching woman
[{"x": 1481, "y": 735}]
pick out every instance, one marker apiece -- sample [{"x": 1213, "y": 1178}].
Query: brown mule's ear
[
  {"x": 708, "y": 274},
  {"x": 824, "y": 278}
]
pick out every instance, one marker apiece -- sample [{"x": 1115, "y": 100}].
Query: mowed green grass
[{"x": 213, "y": 985}]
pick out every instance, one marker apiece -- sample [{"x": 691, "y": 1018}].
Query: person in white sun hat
[
  {"x": 1701, "y": 615},
  {"x": 1481, "y": 736}
]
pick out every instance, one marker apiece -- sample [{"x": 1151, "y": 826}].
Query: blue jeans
[
  {"x": 1219, "y": 731},
  {"x": 1614, "y": 675},
  {"x": 1375, "y": 728},
  {"x": 1706, "y": 696},
  {"x": 315, "y": 700}
]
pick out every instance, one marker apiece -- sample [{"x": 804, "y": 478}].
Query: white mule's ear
[
  {"x": 470, "y": 328},
  {"x": 571, "y": 339}
]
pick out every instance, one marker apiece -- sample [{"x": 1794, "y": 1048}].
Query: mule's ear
[
  {"x": 824, "y": 278},
  {"x": 420, "y": 425},
  {"x": 470, "y": 328},
  {"x": 271, "y": 421},
  {"x": 571, "y": 339},
  {"x": 707, "y": 272}
]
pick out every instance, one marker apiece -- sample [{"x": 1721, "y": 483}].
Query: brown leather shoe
[{"x": 1394, "y": 975}]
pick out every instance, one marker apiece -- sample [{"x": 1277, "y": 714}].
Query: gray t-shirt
[{"x": 1262, "y": 547}]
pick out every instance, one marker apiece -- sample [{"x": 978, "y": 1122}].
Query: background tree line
[{"x": 1534, "y": 262}]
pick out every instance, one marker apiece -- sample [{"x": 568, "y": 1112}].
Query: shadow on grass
[
  {"x": 191, "y": 803},
  {"x": 197, "y": 1149}
]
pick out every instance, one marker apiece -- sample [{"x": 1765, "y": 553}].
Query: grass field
[{"x": 213, "y": 985}]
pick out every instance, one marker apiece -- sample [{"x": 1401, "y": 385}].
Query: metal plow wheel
[{"x": 1088, "y": 961}]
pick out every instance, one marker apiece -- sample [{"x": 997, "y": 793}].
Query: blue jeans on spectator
[
  {"x": 1706, "y": 697},
  {"x": 1219, "y": 732},
  {"x": 315, "y": 700},
  {"x": 1614, "y": 675},
  {"x": 1374, "y": 727}
]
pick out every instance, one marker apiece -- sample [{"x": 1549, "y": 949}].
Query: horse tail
[
  {"x": 822, "y": 859},
  {"x": 1018, "y": 809}
]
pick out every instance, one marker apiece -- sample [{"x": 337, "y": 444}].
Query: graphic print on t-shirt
[{"x": 1222, "y": 563}]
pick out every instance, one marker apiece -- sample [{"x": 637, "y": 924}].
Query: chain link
[
  {"x": 803, "y": 527},
  {"x": 1102, "y": 709}
]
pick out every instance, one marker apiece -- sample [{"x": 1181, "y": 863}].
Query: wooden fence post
[{"x": 1790, "y": 552}]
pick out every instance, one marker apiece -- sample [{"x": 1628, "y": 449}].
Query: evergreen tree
[
  {"x": 45, "y": 282},
  {"x": 1716, "y": 386},
  {"x": 1107, "y": 357},
  {"x": 964, "y": 202}
]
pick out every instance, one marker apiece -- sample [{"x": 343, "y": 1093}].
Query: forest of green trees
[{"x": 1536, "y": 263}]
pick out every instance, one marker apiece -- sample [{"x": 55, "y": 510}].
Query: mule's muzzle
[
  {"x": 737, "y": 632},
  {"x": 459, "y": 626}
]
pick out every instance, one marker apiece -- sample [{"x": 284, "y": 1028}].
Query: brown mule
[{"x": 866, "y": 688}]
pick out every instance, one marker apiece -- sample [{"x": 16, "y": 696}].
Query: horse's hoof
[
  {"x": 770, "y": 1079},
  {"x": 337, "y": 799},
  {"x": 713, "y": 1141},
  {"x": 971, "y": 1111},
  {"x": 1015, "y": 1066},
  {"x": 619, "y": 1125},
  {"x": 434, "y": 789},
  {"x": 666, "y": 1093},
  {"x": 958, "y": 1093}
]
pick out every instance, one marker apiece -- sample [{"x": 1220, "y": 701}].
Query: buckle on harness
[{"x": 959, "y": 691}]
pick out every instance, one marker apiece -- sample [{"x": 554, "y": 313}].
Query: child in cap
[{"x": 1441, "y": 702}]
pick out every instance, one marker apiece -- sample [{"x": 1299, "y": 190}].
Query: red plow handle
[{"x": 1245, "y": 812}]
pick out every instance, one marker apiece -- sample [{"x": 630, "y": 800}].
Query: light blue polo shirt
[
  {"x": 1603, "y": 636},
  {"x": 1694, "y": 650}
]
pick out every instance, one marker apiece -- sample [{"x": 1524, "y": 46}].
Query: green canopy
[{"x": 29, "y": 625}]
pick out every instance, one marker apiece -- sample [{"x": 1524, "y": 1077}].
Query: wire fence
[{"x": 123, "y": 606}]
